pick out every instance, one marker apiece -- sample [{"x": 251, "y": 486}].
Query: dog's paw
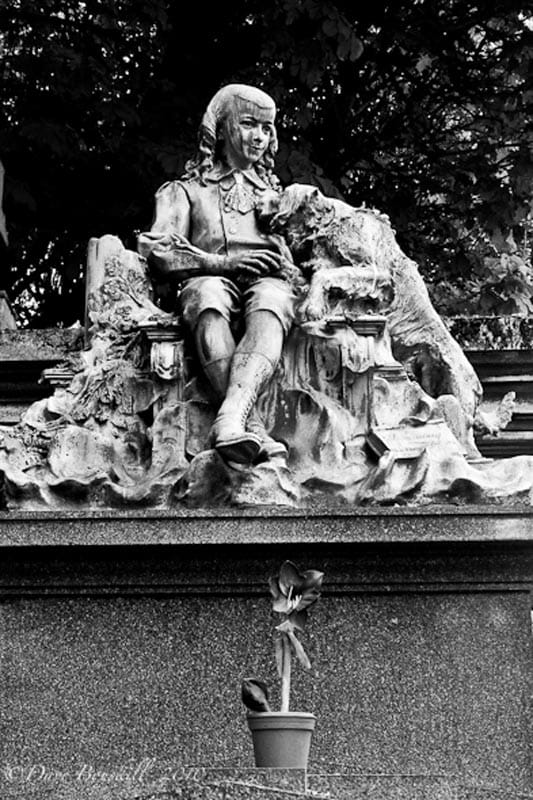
[{"x": 312, "y": 309}]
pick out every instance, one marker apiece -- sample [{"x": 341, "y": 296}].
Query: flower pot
[{"x": 281, "y": 739}]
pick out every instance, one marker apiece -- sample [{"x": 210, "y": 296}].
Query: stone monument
[
  {"x": 302, "y": 357},
  {"x": 298, "y": 398}
]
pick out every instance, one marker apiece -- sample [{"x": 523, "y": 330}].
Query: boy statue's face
[{"x": 247, "y": 131}]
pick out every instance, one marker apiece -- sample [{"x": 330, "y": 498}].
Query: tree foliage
[{"x": 419, "y": 108}]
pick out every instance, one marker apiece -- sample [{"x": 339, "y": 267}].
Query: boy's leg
[{"x": 253, "y": 364}]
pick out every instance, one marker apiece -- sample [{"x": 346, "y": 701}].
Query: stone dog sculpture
[{"x": 346, "y": 252}]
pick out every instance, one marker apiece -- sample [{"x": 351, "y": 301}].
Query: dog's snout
[{"x": 267, "y": 204}]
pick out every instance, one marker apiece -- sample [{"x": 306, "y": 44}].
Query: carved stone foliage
[
  {"x": 132, "y": 424},
  {"x": 115, "y": 432}
]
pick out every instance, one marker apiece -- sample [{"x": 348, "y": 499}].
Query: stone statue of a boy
[{"x": 205, "y": 237}]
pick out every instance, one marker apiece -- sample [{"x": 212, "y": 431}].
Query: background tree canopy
[{"x": 417, "y": 107}]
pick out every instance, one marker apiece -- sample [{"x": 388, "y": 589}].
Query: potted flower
[{"x": 282, "y": 738}]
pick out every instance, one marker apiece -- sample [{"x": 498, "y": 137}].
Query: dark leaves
[
  {"x": 254, "y": 694},
  {"x": 419, "y": 110}
]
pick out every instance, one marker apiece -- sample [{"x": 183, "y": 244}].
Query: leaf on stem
[
  {"x": 254, "y": 694},
  {"x": 299, "y": 619},
  {"x": 299, "y": 652},
  {"x": 285, "y": 627}
]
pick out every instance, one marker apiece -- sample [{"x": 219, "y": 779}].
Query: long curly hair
[{"x": 210, "y": 143}]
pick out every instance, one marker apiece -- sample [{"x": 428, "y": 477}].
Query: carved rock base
[{"x": 209, "y": 481}]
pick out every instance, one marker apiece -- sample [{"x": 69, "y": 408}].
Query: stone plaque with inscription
[{"x": 408, "y": 441}]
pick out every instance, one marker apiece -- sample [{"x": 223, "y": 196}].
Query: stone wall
[
  {"x": 125, "y": 636},
  {"x": 24, "y": 354}
]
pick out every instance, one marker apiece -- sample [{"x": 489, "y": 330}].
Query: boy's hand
[{"x": 252, "y": 264}]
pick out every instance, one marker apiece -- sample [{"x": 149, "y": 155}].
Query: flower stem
[{"x": 286, "y": 672}]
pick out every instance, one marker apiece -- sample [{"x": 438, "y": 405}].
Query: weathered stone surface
[
  {"x": 124, "y": 429},
  {"x": 357, "y": 266},
  {"x": 408, "y": 442}
]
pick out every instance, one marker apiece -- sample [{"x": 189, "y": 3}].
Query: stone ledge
[
  {"x": 511, "y": 332},
  {"x": 260, "y": 784},
  {"x": 43, "y": 344},
  {"x": 400, "y": 525}
]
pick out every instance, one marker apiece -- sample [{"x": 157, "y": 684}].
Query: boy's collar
[{"x": 220, "y": 171}]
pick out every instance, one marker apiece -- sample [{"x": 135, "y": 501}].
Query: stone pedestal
[{"x": 125, "y": 636}]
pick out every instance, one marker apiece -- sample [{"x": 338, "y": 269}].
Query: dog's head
[{"x": 295, "y": 213}]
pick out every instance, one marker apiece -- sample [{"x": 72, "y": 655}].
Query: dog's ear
[
  {"x": 315, "y": 199},
  {"x": 289, "y": 200}
]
